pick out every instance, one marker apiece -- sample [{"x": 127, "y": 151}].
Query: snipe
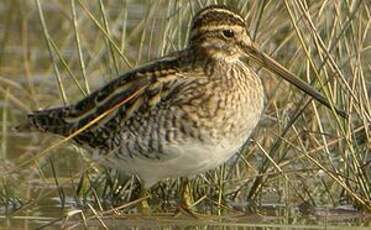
[{"x": 180, "y": 115}]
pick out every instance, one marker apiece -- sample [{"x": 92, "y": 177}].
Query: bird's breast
[{"x": 227, "y": 107}]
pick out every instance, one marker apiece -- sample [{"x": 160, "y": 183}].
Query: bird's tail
[{"x": 49, "y": 120}]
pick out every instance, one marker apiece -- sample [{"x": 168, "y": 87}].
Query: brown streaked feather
[{"x": 157, "y": 78}]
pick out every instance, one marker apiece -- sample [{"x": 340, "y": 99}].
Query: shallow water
[
  {"x": 168, "y": 220},
  {"x": 49, "y": 213}
]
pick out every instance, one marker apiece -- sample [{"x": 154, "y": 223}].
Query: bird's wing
[{"x": 131, "y": 92}]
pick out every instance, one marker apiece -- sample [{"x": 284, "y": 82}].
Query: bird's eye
[{"x": 228, "y": 33}]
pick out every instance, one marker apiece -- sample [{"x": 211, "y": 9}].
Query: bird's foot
[
  {"x": 144, "y": 207},
  {"x": 186, "y": 205},
  {"x": 185, "y": 210}
]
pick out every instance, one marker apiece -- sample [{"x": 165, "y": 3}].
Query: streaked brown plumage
[{"x": 179, "y": 115}]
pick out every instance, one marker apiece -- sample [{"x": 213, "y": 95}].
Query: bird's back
[
  {"x": 105, "y": 111},
  {"x": 67, "y": 119}
]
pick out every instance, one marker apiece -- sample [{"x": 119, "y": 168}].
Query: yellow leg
[
  {"x": 186, "y": 199},
  {"x": 144, "y": 207},
  {"x": 186, "y": 194}
]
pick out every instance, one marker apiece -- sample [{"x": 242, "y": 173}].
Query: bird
[{"x": 181, "y": 114}]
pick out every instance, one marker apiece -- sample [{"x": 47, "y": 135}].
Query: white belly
[{"x": 188, "y": 159}]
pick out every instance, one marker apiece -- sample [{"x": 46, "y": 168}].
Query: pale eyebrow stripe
[{"x": 222, "y": 11}]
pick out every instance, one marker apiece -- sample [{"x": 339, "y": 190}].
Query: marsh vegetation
[{"x": 303, "y": 165}]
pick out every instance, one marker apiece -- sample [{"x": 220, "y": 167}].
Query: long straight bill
[{"x": 273, "y": 66}]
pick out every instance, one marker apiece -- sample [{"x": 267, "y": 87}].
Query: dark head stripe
[{"x": 215, "y": 15}]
